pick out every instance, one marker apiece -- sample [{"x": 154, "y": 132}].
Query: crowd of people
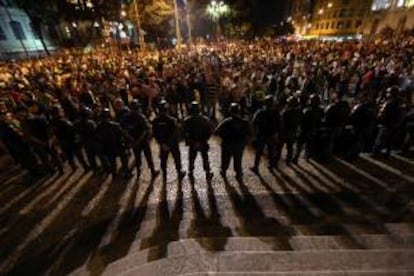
[{"x": 326, "y": 98}]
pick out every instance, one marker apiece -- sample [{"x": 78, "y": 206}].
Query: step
[
  {"x": 308, "y": 273},
  {"x": 400, "y": 229},
  {"x": 351, "y": 242},
  {"x": 254, "y": 244},
  {"x": 378, "y": 261}
]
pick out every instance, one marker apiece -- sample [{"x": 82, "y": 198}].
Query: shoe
[
  {"x": 255, "y": 170},
  {"x": 209, "y": 176},
  {"x": 181, "y": 175},
  {"x": 155, "y": 174}
]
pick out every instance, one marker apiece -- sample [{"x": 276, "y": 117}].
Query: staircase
[{"x": 357, "y": 253}]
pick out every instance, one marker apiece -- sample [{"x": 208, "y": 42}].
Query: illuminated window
[
  {"x": 17, "y": 30},
  {"x": 381, "y": 5},
  {"x": 409, "y": 3}
]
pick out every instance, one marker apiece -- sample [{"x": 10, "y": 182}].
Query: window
[
  {"x": 2, "y": 35},
  {"x": 358, "y": 23},
  {"x": 348, "y": 24},
  {"x": 381, "y": 4},
  {"x": 342, "y": 13},
  {"x": 332, "y": 25},
  {"x": 17, "y": 30},
  {"x": 340, "y": 25},
  {"x": 34, "y": 30},
  {"x": 409, "y": 3}
]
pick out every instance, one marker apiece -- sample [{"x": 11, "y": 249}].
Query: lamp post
[{"x": 215, "y": 10}]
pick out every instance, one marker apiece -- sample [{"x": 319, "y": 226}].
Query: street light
[{"x": 215, "y": 10}]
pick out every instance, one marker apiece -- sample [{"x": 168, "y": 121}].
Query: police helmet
[
  {"x": 106, "y": 114},
  {"x": 235, "y": 109},
  {"x": 195, "y": 108},
  {"x": 135, "y": 105}
]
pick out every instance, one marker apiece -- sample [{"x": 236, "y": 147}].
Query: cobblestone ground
[{"x": 56, "y": 225}]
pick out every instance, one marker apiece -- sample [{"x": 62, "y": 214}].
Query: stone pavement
[{"x": 337, "y": 218}]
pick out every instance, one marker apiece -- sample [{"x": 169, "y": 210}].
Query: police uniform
[
  {"x": 113, "y": 143},
  {"x": 233, "y": 131},
  {"x": 36, "y": 129},
  {"x": 198, "y": 130},
  {"x": 310, "y": 122},
  {"x": 85, "y": 129},
  {"x": 290, "y": 120},
  {"x": 64, "y": 131},
  {"x": 138, "y": 128},
  {"x": 165, "y": 133},
  {"x": 266, "y": 123}
]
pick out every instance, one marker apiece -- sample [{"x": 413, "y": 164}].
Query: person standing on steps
[
  {"x": 165, "y": 130},
  {"x": 197, "y": 131},
  {"x": 266, "y": 124},
  {"x": 138, "y": 128},
  {"x": 233, "y": 132}
]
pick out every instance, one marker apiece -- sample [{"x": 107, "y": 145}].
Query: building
[
  {"x": 395, "y": 14},
  {"x": 300, "y": 15},
  {"x": 17, "y": 35},
  {"x": 339, "y": 17}
]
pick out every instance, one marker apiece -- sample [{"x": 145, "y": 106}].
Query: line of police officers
[{"x": 36, "y": 136}]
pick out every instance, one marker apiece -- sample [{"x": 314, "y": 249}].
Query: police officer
[
  {"x": 121, "y": 110},
  {"x": 310, "y": 122},
  {"x": 290, "y": 119},
  {"x": 36, "y": 129},
  {"x": 65, "y": 133},
  {"x": 390, "y": 118},
  {"x": 12, "y": 137},
  {"x": 113, "y": 140},
  {"x": 266, "y": 123},
  {"x": 233, "y": 131},
  {"x": 85, "y": 129},
  {"x": 138, "y": 128},
  {"x": 165, "y": 130},
  {"x": 336, "y": 115},
  {"x": 363, "y": 120},
  {"x": 197, "y": 131}
]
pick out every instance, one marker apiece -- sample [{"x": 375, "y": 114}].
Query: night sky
[{"x": 270, "y": 12}]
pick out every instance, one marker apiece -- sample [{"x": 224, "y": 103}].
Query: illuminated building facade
[
  {"x": 18, "y": 37},
  {"x": 395, "y": 14},
  {"x": 339, "y": 17}
]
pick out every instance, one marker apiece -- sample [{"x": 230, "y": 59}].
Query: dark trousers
[
  {"x": 91, "y": 154},
  {"x": 175, "y": 152},
  {"x": 144, "y": 147},
  {"x": 289, "y": 140},
  {"x": 109, "y": 161},
  {"x": 385, "y": 139},
  {"x": 232, "y": 151},
  {"x": 193, "y": 150},
  {"x": 304, "y": 141},
  {"x": 271, "y": 145},
  {"x": 71, "y": 152},
  {"x": 48, "y": 156}
]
